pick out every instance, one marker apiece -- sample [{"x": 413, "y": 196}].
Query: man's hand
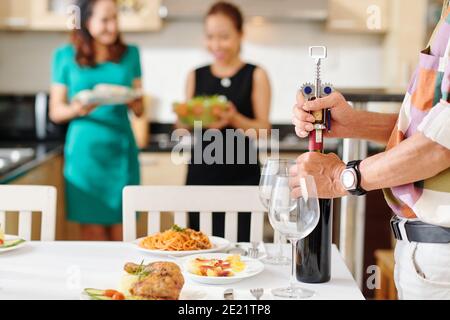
[
  {"x": 326, "y": 170},
  {"x": 342, "y": 115}
]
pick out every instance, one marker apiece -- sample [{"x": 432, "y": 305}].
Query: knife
[{"x": 228, "y": 294}]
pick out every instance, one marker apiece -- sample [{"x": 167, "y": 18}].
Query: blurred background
[{"x": 373, "y": 46}]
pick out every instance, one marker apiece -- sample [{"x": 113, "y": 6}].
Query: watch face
[{"x": 349, "y": 179}]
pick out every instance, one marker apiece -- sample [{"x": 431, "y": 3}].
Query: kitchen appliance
[
  {"x": 12, "y": 158},
  {"x": 24, "y": 118},
  {"x": 314, "y": 251}
]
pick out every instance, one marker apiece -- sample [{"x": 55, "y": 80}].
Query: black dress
[{"x": 234, "y": 169}]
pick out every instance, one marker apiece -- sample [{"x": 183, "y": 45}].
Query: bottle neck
[{"x": 314, "y": 145}]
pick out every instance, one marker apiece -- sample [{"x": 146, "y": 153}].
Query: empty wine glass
[
  {"x": 271, "y": 169},
  {"x": 295, "y": 219}
]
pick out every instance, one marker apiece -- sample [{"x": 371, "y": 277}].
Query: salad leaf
[{"x": 178, "y": 228}]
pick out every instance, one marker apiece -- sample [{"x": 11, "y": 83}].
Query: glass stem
[
  {"x": 280, "y": 246},
  {"x": 293, "y": 280}
]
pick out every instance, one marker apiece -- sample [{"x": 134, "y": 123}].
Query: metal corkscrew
[{"x": 318, "y": 90}]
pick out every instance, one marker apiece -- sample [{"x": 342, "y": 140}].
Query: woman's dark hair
[
  {"x": 84, "y": 42},
  {"x": 229, "y": 10}
]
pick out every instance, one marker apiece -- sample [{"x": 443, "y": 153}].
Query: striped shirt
[{"x": 426, "y": 109}]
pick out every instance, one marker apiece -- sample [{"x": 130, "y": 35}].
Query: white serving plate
[
  {"x": 253, "y": 268},
  {"x": 108, "y": 95},
  {"x": 10, "y": 237},
  {"x": 218, "y": 244}
]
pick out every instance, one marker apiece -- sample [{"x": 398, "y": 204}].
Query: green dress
[{"x": 101, "y": 156}]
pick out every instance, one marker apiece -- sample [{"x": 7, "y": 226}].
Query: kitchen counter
[
  {"x": 162, "y": 143},
  {"x": 160, "y": 140},
  {"x": 42, "y": 152},
  {"x": 372, "y": 95}
]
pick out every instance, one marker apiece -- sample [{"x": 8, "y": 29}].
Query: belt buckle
[
  {"x": 394, "y": 228},
  {"x": 398, "y": 227}
]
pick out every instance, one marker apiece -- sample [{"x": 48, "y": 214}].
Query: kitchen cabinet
[
  {"x": 386, "y": 265},
  {"x": 407, "y": 36},
  {"x": 14, "y": 14},
  {"x": 361, "y": 16},
  {"x": 140, "y": 15},
  {"x": 58, "y": 15},
  {"x": 159, "y": 169}
]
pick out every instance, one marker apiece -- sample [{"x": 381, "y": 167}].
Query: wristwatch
[{"x": 351, "y": 179}]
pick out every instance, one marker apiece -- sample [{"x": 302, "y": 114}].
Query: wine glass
[
  {"x": 295, "y": 219},
  {"x": 271, "y": 169}
]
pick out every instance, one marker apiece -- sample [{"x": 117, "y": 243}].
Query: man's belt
[{"x": 417, "y": 231}]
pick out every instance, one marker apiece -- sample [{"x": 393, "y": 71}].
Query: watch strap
[{"x": 359, "y": 191}]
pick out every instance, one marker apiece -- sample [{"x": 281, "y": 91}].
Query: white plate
[
  {"x": 108, "y": 97},
  {"x": 218, "y": 244},
  {"x": 9, "y": 237},
  {"x": 252, "y": 268}
]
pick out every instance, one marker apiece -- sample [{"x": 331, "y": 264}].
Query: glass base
[
  {"x": 293, "y": 293},
  {"x": 277, "y": 260}
]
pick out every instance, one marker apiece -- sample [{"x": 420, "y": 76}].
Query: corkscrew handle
[{"x": 322, "y": 117}]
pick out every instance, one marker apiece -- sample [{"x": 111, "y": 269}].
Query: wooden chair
[
  {"x": 26, "y": 200},
  {"x": 385, "y": 262},
  {"x": 183, "y": 199}
]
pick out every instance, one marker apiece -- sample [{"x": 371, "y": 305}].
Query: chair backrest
[
  {"x": 183, "y": 199},
  {"x": 26, "y": 200}
]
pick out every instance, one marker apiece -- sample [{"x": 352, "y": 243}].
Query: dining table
[{"x": 61, "y": 270}]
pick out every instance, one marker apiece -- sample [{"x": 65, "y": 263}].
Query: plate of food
[
  {"x": 107, "y": 94},
  {"x": 206, "y": 109},
  {"x": 179, "y": 242},
  {"x": 158, "y": 280},
  {"x": 9, "y": 242},
  {"x": 221, "y": 268}
]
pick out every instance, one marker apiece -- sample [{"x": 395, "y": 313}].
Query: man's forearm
[
  {"x": 373, "y": 126},
  {"x": 417, "y": 158}
]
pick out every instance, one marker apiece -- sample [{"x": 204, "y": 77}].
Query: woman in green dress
[{"x": 101, "y": 156}]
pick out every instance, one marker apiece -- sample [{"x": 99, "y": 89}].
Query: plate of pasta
[{"x": 178, "y": 242}]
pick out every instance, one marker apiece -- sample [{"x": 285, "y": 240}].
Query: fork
[
  {"x": 257, "y": 293},
  {"x": 253, "y": 253}
]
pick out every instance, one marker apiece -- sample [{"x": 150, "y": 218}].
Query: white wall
[{"x": 355, "y": 61}]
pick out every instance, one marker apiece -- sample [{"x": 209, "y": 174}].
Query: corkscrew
[{"x": 312, "y": 91}]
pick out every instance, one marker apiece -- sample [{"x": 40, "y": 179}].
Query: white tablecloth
[{"x": 61, "y": 270}]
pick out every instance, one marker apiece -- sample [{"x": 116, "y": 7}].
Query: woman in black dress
[{"x": 247, "y": 88}]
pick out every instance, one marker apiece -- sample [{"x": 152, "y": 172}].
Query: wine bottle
[{"x": 314, "y": 251}]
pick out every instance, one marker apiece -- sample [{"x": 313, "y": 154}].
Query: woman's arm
[
  {"x": 261, "y": 99},
  {"x": 60, "y": 110},
  {"x": 137, "y": 106},
  {"x": 139, "y": 119},
  {"x": 190, "y": 92},
  {"x": 190, "y": 86}
]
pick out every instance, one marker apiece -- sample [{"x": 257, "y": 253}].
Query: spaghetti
[{"x": 177, "y": 239}]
